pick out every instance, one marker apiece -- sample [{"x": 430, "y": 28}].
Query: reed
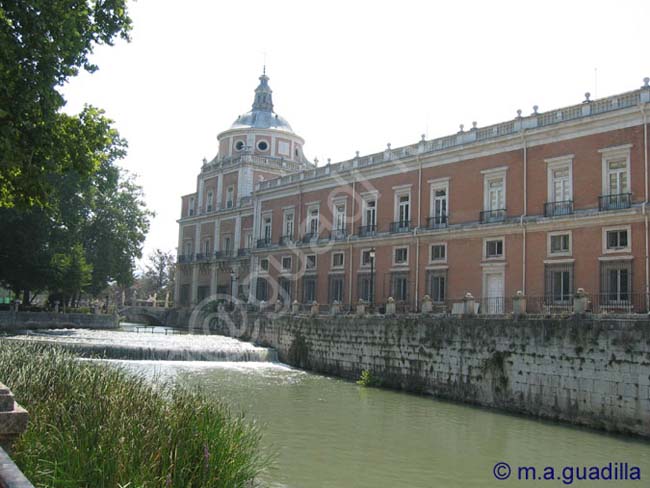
[{"x": 93, "y": 425}]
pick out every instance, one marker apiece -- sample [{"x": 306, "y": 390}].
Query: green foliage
[
  {"x": 104, "y": 212},
  {"x": 367, "y": 379},
  {"x": 93, "y": 425},
  {"x": 42, "y": 44},
  {"x": 158, "y": 276},
  {"x": 71, "y": 273}
]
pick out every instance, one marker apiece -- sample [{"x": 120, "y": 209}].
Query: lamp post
[
  {"x": 372, "y": 276},
  {"x": 232, "y": 283}
]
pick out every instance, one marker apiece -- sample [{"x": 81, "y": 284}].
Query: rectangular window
[
  {"x": 560, "y": 244},
  {"x": 496, "y": 194},
  {"x": 310, "y": 261},
  {"x": 617, "y": 177},
  {"x": 312, "y": 222},
  {"x": 187, "y": 249},
  {"x": 616, "y": 283},
  {"x": 286, "y": 263},
  {"x": 285, "y": 290},
  {"x": 336, "y": 289},
  {"x": 227, "y": 245},
  {"x": 404, "y": 208},
  {"x": 558, "y": 283},
  {"x": 185, "y": 294},
  {"x": 370, "y": 213},
  {"x": 206, "y": 247},
  {"x": 438, "y": 207},
  {"x": 230, "y": 197},
  {"x": 262, "y": 289},
  {"x": 560, "y": 184},
  {"x": 366, "y": 288},
  {"x": 617, "y": 239},
  {"x": 190, "y": 209},
  {"x": 400, "y": 255},
  {"x": 338, "y": 259},
  {"x": 437, "y": 286},
  {"x": 267, "y": 229},
  {"x": 339, "y": 217},
  {"x": 493, "y": 248},
  {"x": 288, "y": 225},
  {"x": 309, "y": 289},
  {"x": 438, "y": 252},
  {"x": 366, "y": 259},
  {"x": 264, "y": 264},
  {"x": 208, "y": 203},
  {"x": 399, "y": 287}
]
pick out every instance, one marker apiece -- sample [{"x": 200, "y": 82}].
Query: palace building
[{"x": 544, "y": 204}]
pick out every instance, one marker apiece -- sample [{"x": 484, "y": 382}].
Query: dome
[
  {"x": 258, "y": 119},
  {"x": 262, "y": 115}
]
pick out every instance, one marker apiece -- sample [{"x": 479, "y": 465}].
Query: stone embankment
[
  {"x": 588, "y": 371},
  {"x": 13, "y": 422}
]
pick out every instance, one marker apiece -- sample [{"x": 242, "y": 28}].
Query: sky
[{"x": 347, "y": 75}]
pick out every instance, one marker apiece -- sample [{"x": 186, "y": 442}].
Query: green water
[{"x": 331, "y": 433}]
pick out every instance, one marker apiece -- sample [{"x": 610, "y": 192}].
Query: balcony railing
[
  {"x": 244, "y": 251},
  {"x": 490, "y": 216},
  {"x": 367, "y": 230},
  {"x": 223, "y": 254},
  {"x": 309, "y": 237},
  {"x": 262, "y": 243},
  {"x": 400, "y": 227},
  {"x": 554, "y": 209},
  {"x": 615, "y": 202},
  {"x": 202, "y": 257},
  {"x": 185, "y": 258},
  {"x": 286, "y": 240},
  {"x": 437, "y": 222},
  {"x": 338, "y": 234}
]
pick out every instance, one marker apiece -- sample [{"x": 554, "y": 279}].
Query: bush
[
  {"x": 93, "y": 425},
  {"x": 367, "y": 379}
]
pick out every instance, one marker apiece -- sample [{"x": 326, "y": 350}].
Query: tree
[
  {"x": 103, "y": 213},
  {"x": 42, "y": 44},
  {"x": 158, "y": 276},
  {"x": 70, "y": 274}
]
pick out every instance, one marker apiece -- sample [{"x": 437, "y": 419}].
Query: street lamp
[
  {"x": 372, "y": 276},
  {"x": 232, "y": 283}
]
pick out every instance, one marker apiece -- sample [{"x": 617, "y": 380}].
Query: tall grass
[{"x": 93, "y": 425}]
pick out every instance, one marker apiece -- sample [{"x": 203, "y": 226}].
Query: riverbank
[
  {"x": 12, "y": 321},
  {"x": 98, "y": 425},
  {"x": 593, "y": 372}
]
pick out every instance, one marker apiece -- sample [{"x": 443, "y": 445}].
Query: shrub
[
  {"x": 367, "y": 379},
  {"x": 93, "y": 425}
]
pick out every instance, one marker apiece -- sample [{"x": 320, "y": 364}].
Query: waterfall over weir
[{"x": 150, "y": 346}]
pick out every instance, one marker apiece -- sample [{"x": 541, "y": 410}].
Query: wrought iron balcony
[
  {"x": 223, "y": 254},
  {"x": 185, "y": 258},
  {"x": 554, "y": 209},
  {"x": 615, "y": 202},
  {"x": 437, "y": 222},
  {"x": 338, "y": 234},
  {"x": 286, "y": 240},
  {"x": 400, "y": 227},
  {"x": 490, "y": 216},
  {"x": 309, "y": 237},
  {"x": 262, "y": 243},
  {"x": 202, "y": 257},
  {"x": 367, "y": 230},
  {"x": 245, "y": 251}
]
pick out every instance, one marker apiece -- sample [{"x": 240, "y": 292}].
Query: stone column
[
  {"x": 13, "y": 419},
  {"x": 213, "y": 278},
  {"x": 237, "y": 238},
  {"x": 195, "y": 284}
]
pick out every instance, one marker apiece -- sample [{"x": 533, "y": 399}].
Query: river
[{"x": 332, "y": 433}]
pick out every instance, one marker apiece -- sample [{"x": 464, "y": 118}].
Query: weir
[{"x": 148, "y": 346}]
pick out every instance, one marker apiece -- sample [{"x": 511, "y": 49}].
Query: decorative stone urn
[
  {"x": 336, "y": 308},
  {"x": 361, "y": 307},
  {"x": 580, "y": 301},
  {"x": 314, "y": 308}
]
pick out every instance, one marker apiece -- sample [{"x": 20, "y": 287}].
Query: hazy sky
[{"x": 348, "y": 76}]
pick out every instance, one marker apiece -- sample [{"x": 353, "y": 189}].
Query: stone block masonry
[{"x": 588, "y": 371}]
